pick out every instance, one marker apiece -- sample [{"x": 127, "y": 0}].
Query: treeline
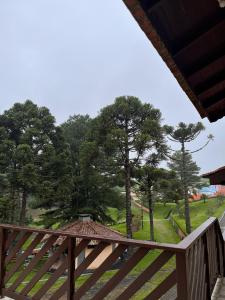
[{"x": 78, "y": 167}]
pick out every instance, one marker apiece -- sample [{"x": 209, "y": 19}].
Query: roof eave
[{"x": 147, "y": 27}]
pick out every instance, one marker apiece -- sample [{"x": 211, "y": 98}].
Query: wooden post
[
  {"x": 71, "y": 268},
  {"x": 2, "y": 259},
  {"x": 220, "y": 249},
  {"x": 182, "y": 276},
  {"x": 206, "y": 255}
]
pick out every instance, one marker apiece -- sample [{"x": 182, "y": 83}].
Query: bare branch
[{"x": 199, "y": 149}]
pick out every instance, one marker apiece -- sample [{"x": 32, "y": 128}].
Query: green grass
[
  {"x": 116, "y": 214},
  {"x": 200, "y": 212},
  {"x": 164, "y": 233},
  {"x": 161, "y": 211}
]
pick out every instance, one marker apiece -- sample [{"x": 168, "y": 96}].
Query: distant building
[{"x": 209, "y": 191}]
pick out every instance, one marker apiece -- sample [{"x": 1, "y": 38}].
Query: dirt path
[{"x": 134, "y": 200}]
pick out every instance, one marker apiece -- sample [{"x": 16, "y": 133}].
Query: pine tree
[
  {"x": 184, "y": 134},
  {"x": 33, "y": 158},
  {"x": 128, "y": 130}
]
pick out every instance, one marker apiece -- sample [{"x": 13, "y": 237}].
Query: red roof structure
[
  {"x": 190, "y": 37},
  {"x": 88, "y": 228}
]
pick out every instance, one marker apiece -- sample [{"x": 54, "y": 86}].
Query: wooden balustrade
[
  {"x": 54, "y": 271},
  {"x": 203, "y": 261}
]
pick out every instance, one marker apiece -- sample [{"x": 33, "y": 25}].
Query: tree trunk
[
  {"x": 151, "y": 220},
  {"x": 128, "y": 200},
  {"x": 13, "y": 196},
  {"x": 13, "y": 206},
  {"x": 185, "y": 192},
  {"x": 23, "y": 208},
  {"x": 127, "y": 168},
  {"x": 177, "y": 205},
  {"x": 142, "y": 215}
]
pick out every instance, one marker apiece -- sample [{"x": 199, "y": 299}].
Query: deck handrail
[
  {"x": 188, "y": 241},
  {"x": 181, "y": 246},
  {"x": 199, "y": 260},
  {"x": 131, "y": 242}
]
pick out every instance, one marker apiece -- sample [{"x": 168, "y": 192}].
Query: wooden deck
[{"x": 218, "y": 294}]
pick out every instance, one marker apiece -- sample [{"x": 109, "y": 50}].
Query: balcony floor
[{"x": 218, "y": 294}]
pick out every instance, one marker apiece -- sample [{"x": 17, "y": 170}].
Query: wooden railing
[{"x": 45, "y": 264}]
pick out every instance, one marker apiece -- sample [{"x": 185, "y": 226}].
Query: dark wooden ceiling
[{"x": 190, "y": 37}]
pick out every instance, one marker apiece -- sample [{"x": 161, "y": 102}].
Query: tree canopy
[
  {"x": 33, "y": 160},
  {"x": 184, "y": 134},
  {"x": 129, "y": 130}
]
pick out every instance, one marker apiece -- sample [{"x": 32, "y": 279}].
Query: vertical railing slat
[
  {"x": 2, "y": 259},
  {"x": 199, "y": 261},
  {"x": 71, "y": 268},
  {"x": 182, "y": 276},
  {"x": 206, "y": 255}
]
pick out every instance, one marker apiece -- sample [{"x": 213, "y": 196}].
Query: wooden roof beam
[
  {"x": 214, "y": 65},
  {"x": 213, "y": 116},
  {"x": 205, "y": 61},
  {"x": 211, "y": 82},
  {"x": 201, "y": 36},
  {"x": 149, "y": 5},
  {"x": 215, "y": 100},
  {"x": 198, "y": 32}
]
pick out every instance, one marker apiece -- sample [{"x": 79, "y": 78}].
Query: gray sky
[{"x": 76, "y": 56}]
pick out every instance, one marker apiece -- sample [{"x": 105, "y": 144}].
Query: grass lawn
[
  {"x": 201, "y": 211},
  {"x": 161, "y": 211},
  {"x": 164, "y": 231}
]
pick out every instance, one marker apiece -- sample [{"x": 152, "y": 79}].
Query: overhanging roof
[
  {"x": 190, "y": 37},
  {"x": 217, "y": 176}
]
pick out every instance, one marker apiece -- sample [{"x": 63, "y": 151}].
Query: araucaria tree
[
  {"x": 184, "y": 134},
  {"x": 193, "y": 179},
  {"x": 148, "y": 177},
  {"x": 93, "y": 191},
  {"x": 129, "y": 130},
  {"x": 33, "y": 159}
]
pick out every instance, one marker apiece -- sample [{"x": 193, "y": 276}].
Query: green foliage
[
  {"x": 5, "y": 208},
  {"x": 149, "y": 178},
  {"x": 191, "y": 170},
  {"x": 34, "y": 158},
  {"x": 128, "y": 130},
  {"x": 93, "y": 189},
  {"x": 170, "y": 188},
  {"x": 164, "y": 231},
  {"x": 184, "y": 133},
  {"x": 129, "y": 125},
  {"x": 182, "y": 161},
  {"x": 200, "y": 212}
]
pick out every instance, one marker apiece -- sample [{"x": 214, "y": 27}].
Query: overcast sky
[{"x": 76, "y": 56}]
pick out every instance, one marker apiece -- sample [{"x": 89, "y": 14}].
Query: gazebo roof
[
  {"x": 88, "y": 228},
  {"x": 190, "y": 37},
  {"x": 91, "y": 228},
  {"x": 217, "y": 176}
]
